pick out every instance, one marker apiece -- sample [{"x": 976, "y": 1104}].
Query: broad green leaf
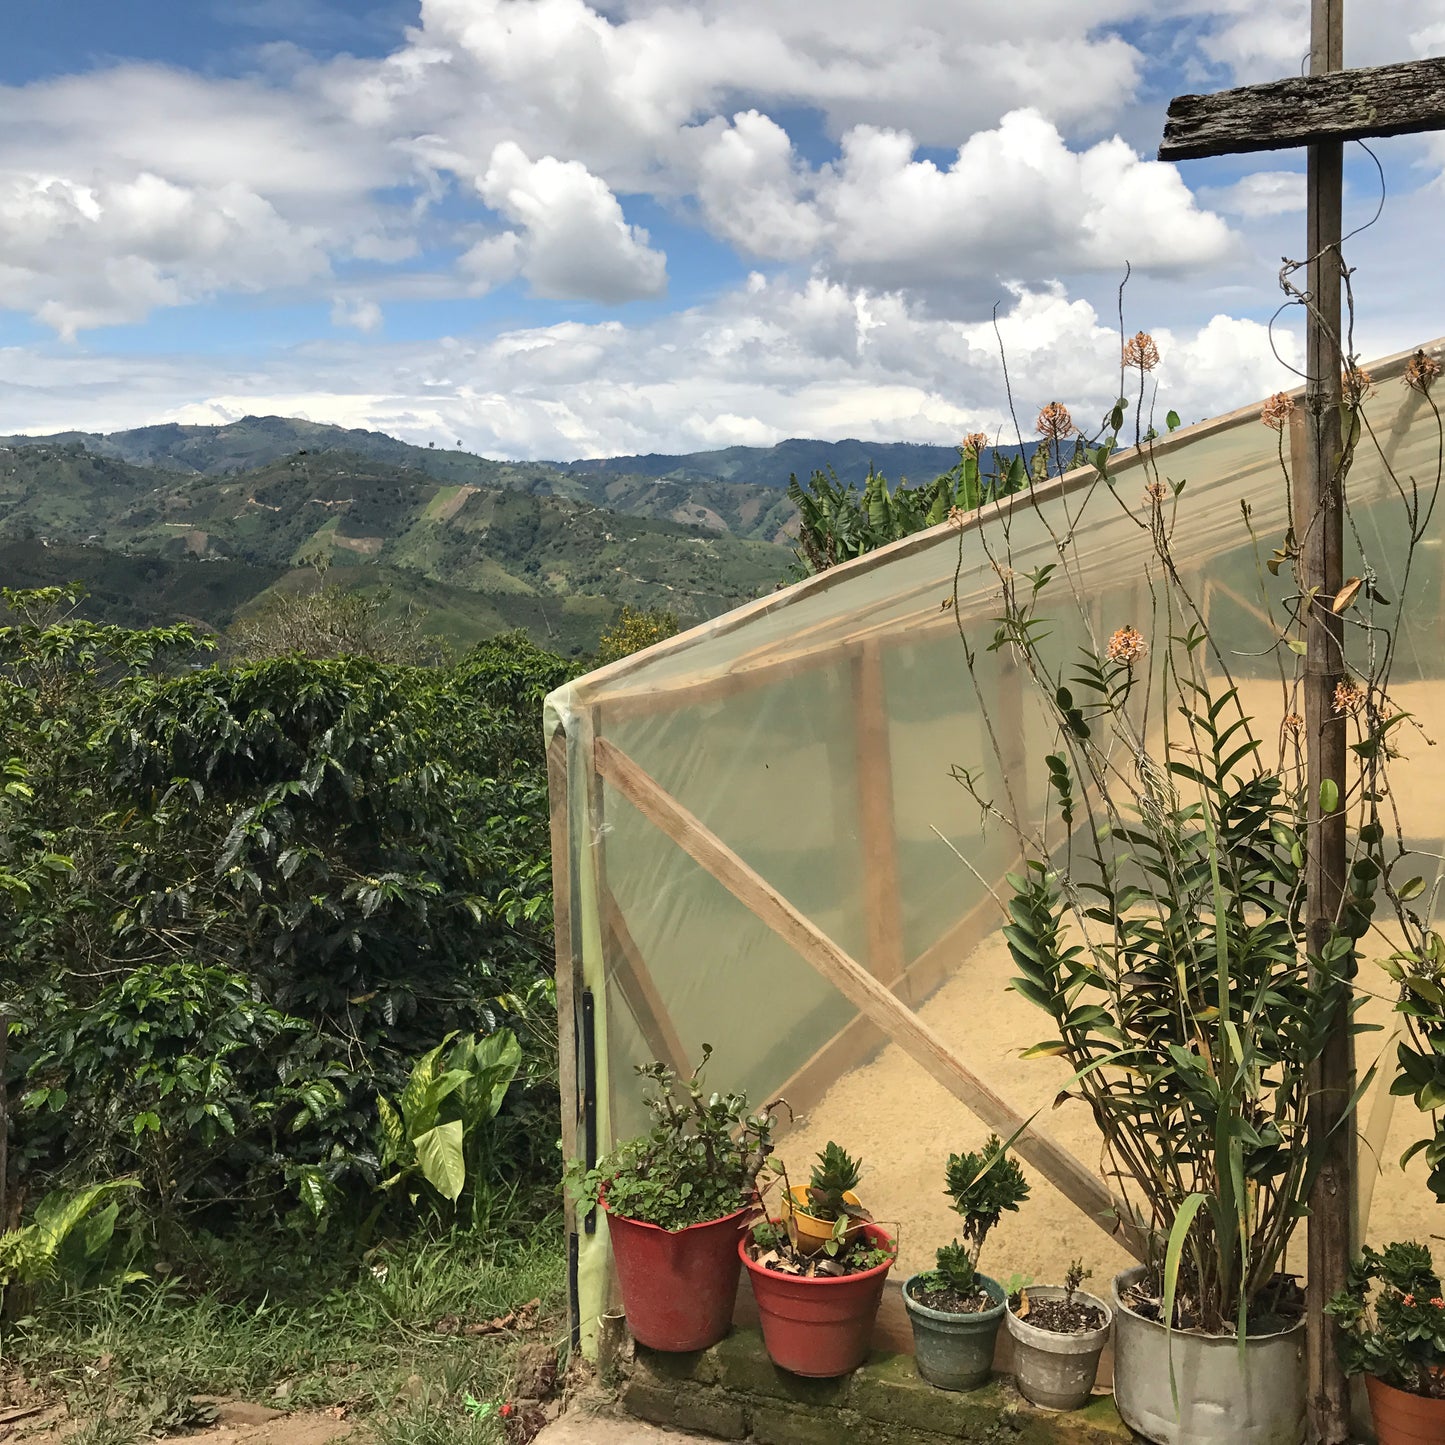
[
  {"x": 393, "y": 1131},
  {"x": 439, "y": 1152}
]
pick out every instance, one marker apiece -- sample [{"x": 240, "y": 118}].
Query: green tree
[
  {"x": 240, "y": 900},
  {"x": 635, "y": 628}
]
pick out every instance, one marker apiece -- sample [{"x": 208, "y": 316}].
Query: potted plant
[
  {"x": 676, "y": 1200},
  {"x": 1391, "y": 1318},
  {"x": 954, "y": 1310},
  {"x": 1058, "y": 1335},
  {"x": 1170, "y": 957},
  {"x": 826, "y": 1208},
  {"x": 817, "y": 1303}
]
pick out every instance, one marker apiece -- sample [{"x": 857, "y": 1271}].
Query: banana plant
[
  {"x": 454, "y": 1091},
  {"x": 837, "y": 522}
]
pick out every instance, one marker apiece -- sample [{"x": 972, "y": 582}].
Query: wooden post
[
  {"x": 1078, "y": 1184},
  {"x": 569, "y": 968},
  {"x": 1332, "y": 1200},
  {"x": 877, "y": 829}
]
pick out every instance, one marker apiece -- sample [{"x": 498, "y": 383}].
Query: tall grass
[{"x": 364, "y": 1337}]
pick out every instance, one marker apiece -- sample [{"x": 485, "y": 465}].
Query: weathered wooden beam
[
  {"x": 877, "y": 827},
  {"x": 1082, "y": 1188},
  {"x": 1332, "y": 1199},
  {"x": 1346, "y": 105}
]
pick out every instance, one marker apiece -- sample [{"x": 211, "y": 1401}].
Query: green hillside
[
  {"x": 259, "y": 441},
  {"x": 770, "y": 467},
  {"x": 736, "y": 489},
  {"x": 476, "y": 559}
]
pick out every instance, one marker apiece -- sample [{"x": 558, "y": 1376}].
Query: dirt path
[
  {"x": 579, "y": 1428},
  {"x": 238, "y": 1422}
]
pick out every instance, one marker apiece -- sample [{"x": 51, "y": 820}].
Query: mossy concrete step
[{"x": 735, "y": 1392}]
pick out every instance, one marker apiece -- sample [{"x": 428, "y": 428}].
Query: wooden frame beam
[
  {"x": 877, "y": 829},
  {"x": 634, "y": 981},
  {"x": 859, "y": 1040},
  {"x": 1308, "y": 109},
  {"x": 873, "y": 998}
]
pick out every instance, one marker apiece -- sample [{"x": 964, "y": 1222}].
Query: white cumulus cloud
[{"x": 575, "y": 242}]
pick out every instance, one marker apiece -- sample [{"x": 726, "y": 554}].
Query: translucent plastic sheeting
[{"x": 816, "y": 734}]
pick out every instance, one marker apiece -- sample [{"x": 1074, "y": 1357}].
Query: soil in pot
[
  {"x": 1402, "y": 1418},
  {"x": 678, "y": 1286},
  {"x": 1058, "y": 1337},
  {"x": 817, "y": 1311},
  {"x": 953, "y": 1334},
  {"x": 950, "y": 1301}
]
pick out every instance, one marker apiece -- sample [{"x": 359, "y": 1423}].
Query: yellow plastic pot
[{"x": 809, "y": 1234}]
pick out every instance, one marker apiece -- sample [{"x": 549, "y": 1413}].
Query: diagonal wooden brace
[{"x": 873, "y": 998}]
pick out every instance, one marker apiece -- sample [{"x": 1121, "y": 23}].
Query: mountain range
[{"x": 203, "y": 522}]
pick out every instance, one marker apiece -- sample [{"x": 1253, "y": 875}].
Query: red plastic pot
[
  {"x": 819, "y": 1327},
  {"x": 678, "y": 1285},
  {"x": 1402, "y": 1418}
]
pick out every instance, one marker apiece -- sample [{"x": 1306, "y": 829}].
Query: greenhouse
[{"x": 787, "y": 834}]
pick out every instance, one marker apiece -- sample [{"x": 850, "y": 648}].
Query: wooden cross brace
[{"x": 1346, "y": 105}]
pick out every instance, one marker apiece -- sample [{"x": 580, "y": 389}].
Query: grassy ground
[{"x": 382, "y": 1341}]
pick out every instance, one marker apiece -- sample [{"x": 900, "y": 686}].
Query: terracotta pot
[
  {"x": 678, "y": 1285},
  {"x": 1402, "y": 1418},
  {"x": 819, "y": 1327},
  {"x": 808, "y": 1233}
]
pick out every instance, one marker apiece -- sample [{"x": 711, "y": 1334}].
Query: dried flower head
[
  {"x": 1349, "y": 697},
  {"x": 1140, "y": 351},
  {"x": 1156, "y": 491},
  {"x": 1293, "y": 723},
  {"x": 1055, "y": 423},
  {"x": 1127, "y": 645},
  {"x": 1421, "y": 371},
  {"x": 1277, "y": 410},
  {"x": 956, "y": 515},
  {"x": 1356, "y": 383},
  {"x": 975, "y": 442}
]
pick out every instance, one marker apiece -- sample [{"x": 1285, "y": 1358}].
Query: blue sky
[{"x": 550, "y": 229}]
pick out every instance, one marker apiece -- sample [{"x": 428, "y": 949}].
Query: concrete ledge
[{"x": 735, "y": 1392}]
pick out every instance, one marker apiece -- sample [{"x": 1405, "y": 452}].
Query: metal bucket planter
[
  {"x": 1222, "y": 1401},
  {"x": 1057, "y": 1370},
  {"x": 953, "y": 1351}
]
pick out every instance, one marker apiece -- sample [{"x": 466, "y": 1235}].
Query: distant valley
[{"x": 202, "y": 522}]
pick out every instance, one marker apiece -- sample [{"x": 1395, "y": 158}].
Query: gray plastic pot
[
  {"x": 954, "y": 1352},
  {"x": 1222, "y": 1401},
  {"x": 1056, "y": 1370}
]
